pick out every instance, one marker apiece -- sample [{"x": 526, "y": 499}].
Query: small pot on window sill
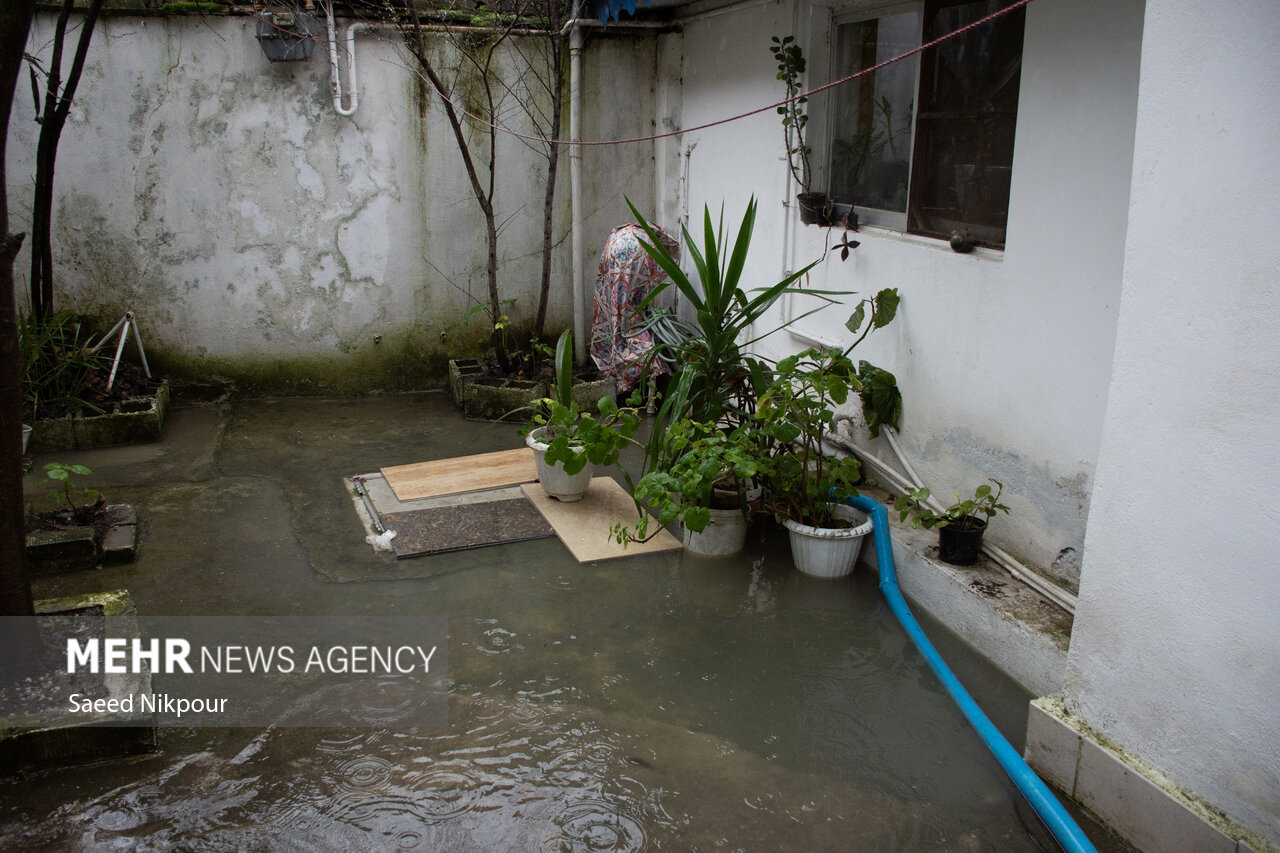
[{"x": 813, "y": 208}]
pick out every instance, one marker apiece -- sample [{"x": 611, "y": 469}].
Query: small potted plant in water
[
  {"x": 705, "y": 481},
  {"x": 960, "y": 526},
  {"x": 568, "y": 443}
]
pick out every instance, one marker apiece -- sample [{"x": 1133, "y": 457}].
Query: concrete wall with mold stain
[{"x": 220, "y": 197}]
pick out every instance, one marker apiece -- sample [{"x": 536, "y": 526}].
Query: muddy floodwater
[{"x": 659, "y": 702}]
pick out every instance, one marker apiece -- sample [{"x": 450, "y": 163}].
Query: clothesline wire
[{"x": 833, "y": 84}]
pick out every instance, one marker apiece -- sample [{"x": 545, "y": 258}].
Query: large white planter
[
  {"x": 828, "y": 552},
  {"x": 555, "y": 481},
  {"x": 723, "y": 536}
]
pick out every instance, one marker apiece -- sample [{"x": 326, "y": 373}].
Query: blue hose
[{"x": 1060, "y": 823}]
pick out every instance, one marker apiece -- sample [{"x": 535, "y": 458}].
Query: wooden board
[
  {"x": 461, "y": 474},
  {"x": 584, "y": 526}
]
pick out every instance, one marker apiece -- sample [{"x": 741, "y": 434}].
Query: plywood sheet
[
  {"x": 469, "y": 525},
  {"x": 461, "y": 474},
  {"x": 584, "y": 526}
]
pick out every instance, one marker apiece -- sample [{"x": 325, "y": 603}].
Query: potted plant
[
  {"x": 804, "y": 485},
  {"x": 791, "y": 64},
  {"x": 568, "y": 443},
  {"x": 960, "y": 526},
  {"x": 705, "y": 481}
]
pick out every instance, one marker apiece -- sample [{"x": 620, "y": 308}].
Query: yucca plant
[{"x": 717, "y": 381}]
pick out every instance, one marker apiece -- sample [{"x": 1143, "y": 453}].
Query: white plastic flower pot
[
  {"x": 828, "y": 552},
  {"x": 26, "y": 436},
  {"x": 555, "y": 482},
  {"x": 723, "y": 536}
]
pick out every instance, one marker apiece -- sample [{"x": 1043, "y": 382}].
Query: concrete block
[
  {"x": 587, "y": 394},
  {"x": 136, "y": 421},
  {"x": 37, "y": 739},
  {"x": 120, "y": 514},
  {"x": 120, "y": 544},
  {"x": 51, "y": 552},
  {"x": 1053, "y": 747},
  {"x": 501, "y": 399},
  {"x": 462, "y": 372},
  {"x": 51, "y": 435},
  {"x": 1008, "y": 623}
]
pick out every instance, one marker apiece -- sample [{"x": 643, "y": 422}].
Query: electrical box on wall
[{"x": 286, "y": 35}]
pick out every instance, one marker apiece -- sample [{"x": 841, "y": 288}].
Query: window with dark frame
[{"x": 927, "y": 146}]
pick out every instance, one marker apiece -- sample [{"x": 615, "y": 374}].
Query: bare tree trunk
[
  {"x": 484, "y": 196},
  {"x": 549, "y": 199},
  {"x": 53, "y": 117},
  {"x": 19, "y": 640}
]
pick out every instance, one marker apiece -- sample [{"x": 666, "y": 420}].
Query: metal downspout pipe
[
  {"x": 1060, "y": 823},
  {"x": 578, "y": 250}
]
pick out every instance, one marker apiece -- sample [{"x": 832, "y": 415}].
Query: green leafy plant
[
  {"x": 717, "y": 380},
  {"x": 718, "y": 383},
  {"x": 964, "y": 513},
  {"x": 574, "y": 437},
  {"x": 703, "y": 467},
  {"x": 58, "y": 475},
  {"x": 791, "y": 65},
  {"x": 796, "y": 412}
]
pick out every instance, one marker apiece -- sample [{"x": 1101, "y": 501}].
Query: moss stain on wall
[{"x": 405, "y": 360}]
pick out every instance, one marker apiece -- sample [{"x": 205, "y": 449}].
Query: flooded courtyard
[{"x": 650, "y": 702}]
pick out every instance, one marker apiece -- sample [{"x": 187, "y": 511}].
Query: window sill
[{"x": 876, "y": 233}]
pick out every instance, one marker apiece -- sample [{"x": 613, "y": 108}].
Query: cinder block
[{"x": 51, "y": 552}]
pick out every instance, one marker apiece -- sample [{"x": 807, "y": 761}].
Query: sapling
[
  {"x": 59, "y": 474},
  {"x": 963, "y": 513}
]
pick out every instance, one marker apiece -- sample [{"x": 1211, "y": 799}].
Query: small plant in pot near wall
[
  {"x": 805, "y": 487},
  {"x": 960, "y": 526},
  {"x": 568, "y": 443}
]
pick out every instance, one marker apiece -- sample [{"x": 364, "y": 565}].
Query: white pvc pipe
[
  {"x": 335, "y": 76},
  {"x": 1052, "y": 592}
]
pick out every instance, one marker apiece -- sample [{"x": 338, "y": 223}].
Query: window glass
[
  {"x": 926, "y": 144},
  {"x": 965, "y": 125},
  {"x": 871, "y": 146}
]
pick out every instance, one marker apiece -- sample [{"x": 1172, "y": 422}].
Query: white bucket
[
  {"x": 555, "y": 482},
  {"x": 723, "y": 536},
  {"x": 828, "y": 552}
]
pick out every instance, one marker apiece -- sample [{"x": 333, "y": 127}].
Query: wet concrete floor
[{"x": 653, "y": 702}]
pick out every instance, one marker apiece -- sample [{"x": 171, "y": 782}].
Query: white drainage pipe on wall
[
  {"x": 334, "y": 76},
  {"x": 1051, "y": 591}
]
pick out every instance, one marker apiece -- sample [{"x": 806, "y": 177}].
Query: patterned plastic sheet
[{"x": 627, "y": 275}]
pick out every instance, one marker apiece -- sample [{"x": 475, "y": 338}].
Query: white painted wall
[
  {"x": 221, "y": 198},
  {"x": 1004, "y": 358},
  {"x": 1176, "y": 649}
]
